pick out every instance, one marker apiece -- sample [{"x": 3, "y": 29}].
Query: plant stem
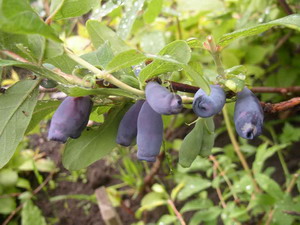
[
  {"x": 222, "y": 173},
  {"x": 69, "y": 77},
  {"x": 104, "y": 75},
  {"x": 215, "y": 52},
  {"x": 284, "y": 166},
  {"x": 49, "y": 19},
  {"x": 292, "y": 183},
  {"x": 237, "y": 149},
  {"x": 219, "y": 193},
  {"x": 177, "y": 213}
]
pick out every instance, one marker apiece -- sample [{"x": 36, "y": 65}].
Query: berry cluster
[
  {"x": 248, "y": 113},
  {"x": 143, "y": 121}
]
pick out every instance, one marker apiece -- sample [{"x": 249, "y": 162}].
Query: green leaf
[
  {"x": 8, "y": 177},
  {"x": 289, "y": 133},
  {"x": 18, "y": 17},
  {"x": 63, "y": 62},
  {"x": 151, "y": 201},
  {"x": 100, "y": 33},
  {"x": 208, "y": 138},
  {"x": 191, "y": 145},
  {"x": 291, "y": 21},
  {"x": 124, "y": 60},
  {"x": 105, "y": 9},
  {"x": 196, "y": 204},
  {"x": 16, "y": 110},
  {"x": 81, "y": 91},
  {"x": 193, "y": 184},
  {"x": 128, "y": 19},
  {"x": 7, "y": 205},
  {"x": 23, "y": 183},
  {"x": 197, "y": 78},
  {"x": 71, "y": 8},
  {"x": 170, "y": 58},
  {"x": 269, "y": 186},
  {"x": 153, "y": 10},
  {"x": 195, "y": 42},
  {"x": 81, "y": 197},
  {"x": 210, "y": 214},
  {"x": 152, "y": 42},
  {"x": 167, "y": 220},
  {"x": 101, "y": 57},
  {"x": 37, "y": 69},
  {"x": 32, "y": 215},
  {"x": 41, "y": 110},
  {"x": 30, "y": 47},
  {"x": 93, "y": 144},
  {"x": 199, "y": 5},
  {"x": 287, "y": 204},
  {"x": 262, "y": 154},
  {"x": 53, "y": 49}
]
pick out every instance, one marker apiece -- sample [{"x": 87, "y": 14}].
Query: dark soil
[
  {"x": 75, "y": 212},
  {"x": 80, "y": 212}
]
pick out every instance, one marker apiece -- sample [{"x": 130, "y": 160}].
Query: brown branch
[
  {"x": 268, "y": 107},
  {"x": 280, "y": 90},
  {"x": 219, "y": 193},
  {"x": 293, "y": 213},
  {"x": 40, "y": 187},
  {"x": 12, "y": 214},
  {"x": 177, "y": 213},
  {"x": 281, "y": 106},
  {"x": 287, "y": 9},
  {"x": 154, "y": 170},
  {"x": 14, "y": 56},
  {"x": 176, "y": 86},
  {"x": 47, "y": 90},
  {"x": 223, "y": 174}
]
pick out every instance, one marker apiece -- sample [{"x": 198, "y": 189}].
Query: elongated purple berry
[
  {"x": 161, "y": 100},
  {"x": 208, "y": 105},
  {"x": 149, "y": 134},
  {"x": 127, "y": 130},
  {"x": 248, "y": 115},
  {"x": 70, "y": 118}
]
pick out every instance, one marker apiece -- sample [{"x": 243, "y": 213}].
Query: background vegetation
[{"x": 89, "y": 47}]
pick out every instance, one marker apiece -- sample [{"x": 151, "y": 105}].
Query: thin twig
[
  {"x": 237, "y": 149},
  {"x": 268, "y": 107},
  {"x": 270, "y": 217},
  {"x": 43, "y": 184},
  {"x": 287, "y": 9},
  {"x": 292, "y": 183},
  {"x": 14, "y": 56},
  {"x": 179, "y": 28},
  {"x": 177, "y": 213},
  {"x": 12, "y": 214},
  {"x": 281, "y": 106},
  {"x": 219, "y": 193},
  {"x": 49, "y": 19},
  {"x": 104, "y": 74},
  {"x": 68, "y": 77},
  {"x": 280, "y": 90},
  {"x": 46, "y": 7},
  {"x": 223, "y": 174},
  {"x": 47, "y": 90},
  {"x": 153, "y": 171}
]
